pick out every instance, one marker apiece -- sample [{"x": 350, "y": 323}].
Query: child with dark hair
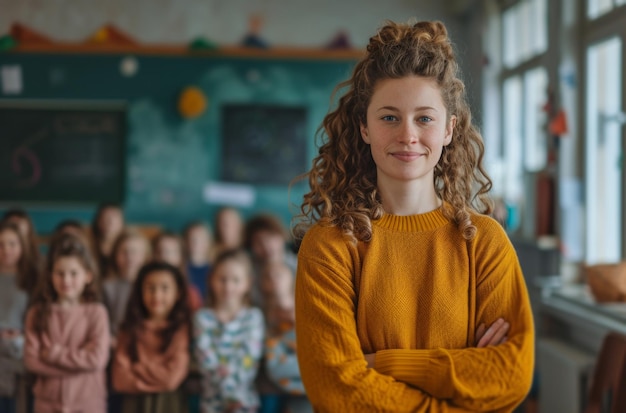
[
  {"x": 168, "y": 247},
  {"x": 152, "y": 356},
  {"x": 67, "y": 333}
]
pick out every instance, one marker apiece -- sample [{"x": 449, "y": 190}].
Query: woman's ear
[
  {"x": 365, "y": 133},
  {"x": 449, "y": 130}
]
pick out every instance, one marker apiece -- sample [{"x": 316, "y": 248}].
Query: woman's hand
[{"x": 494, "y": 335}]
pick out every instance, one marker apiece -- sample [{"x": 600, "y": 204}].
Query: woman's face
[{"x": 406, "y": 129}]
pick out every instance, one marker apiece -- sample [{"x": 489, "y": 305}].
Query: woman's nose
[{"x": 408, "y": 133}]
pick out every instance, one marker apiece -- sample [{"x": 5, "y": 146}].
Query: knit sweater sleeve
[
  {"x": 332, "y": 364},
  {"x": 168, "y": 374},
  {"x": 495, "y": 378},
  {"x": 34, "y": 343},
  {"x": 94, "y": 353}
]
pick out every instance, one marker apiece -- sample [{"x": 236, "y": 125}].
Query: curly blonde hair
[{"x": 342, "y": 179}]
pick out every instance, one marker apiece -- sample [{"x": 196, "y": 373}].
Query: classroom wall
[{"x": 170, "y": 159}]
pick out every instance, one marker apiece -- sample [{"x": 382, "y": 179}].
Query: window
[
  {"x": 596, "y": 8},
  {"x": 603, "y": 151},
  {"x": 525, "y": 31}
]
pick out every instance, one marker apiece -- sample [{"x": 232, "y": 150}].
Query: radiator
[{"x": 564, "y": 376}]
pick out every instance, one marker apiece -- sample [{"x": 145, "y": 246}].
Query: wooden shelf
[{"x": 177, "y": 50}]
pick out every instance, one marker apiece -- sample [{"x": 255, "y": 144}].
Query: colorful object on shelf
[
  {"x": 200, "y": 43},
  {"x": 558, "y": 124},
  {"x": 340, "y": 41},
  {"x": 7, "y": 42},
  {"x": 192, "y": 102},
  {"x": 25, "y": 35},
  {"x": 109, "y": 34}
]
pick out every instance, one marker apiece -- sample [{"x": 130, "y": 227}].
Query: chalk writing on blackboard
[
  {"x": 263, "y": 144},
  {"x": 53, "y": 153}
]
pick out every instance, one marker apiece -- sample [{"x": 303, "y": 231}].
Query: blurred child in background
[
  {"x": 106, "y": 226},
  {"x": 33, "y": 264},
  {"x": 13, "y": 304},
  {"x": 228, "y": 338},
  {"x": 67, "y": 334},
  {"x": 168, "y": 247},
  {"x": 152, "y": 356},
  {"x": 281, "y": 361},
  {"x": 199, "y": 248},
  {"x": 130, "y": 252},
  {"x": 266, "y": 239},
  {"x": 228, "y": 229}
]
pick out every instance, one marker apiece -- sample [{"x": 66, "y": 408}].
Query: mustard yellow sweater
[{"x": 414, "y": 295}]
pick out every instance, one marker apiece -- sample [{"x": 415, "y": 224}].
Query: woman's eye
[
  {"x": 425, "y": 119},
  {"x": 389, "y": 118}
]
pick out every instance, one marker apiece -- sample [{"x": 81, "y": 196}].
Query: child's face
[
  {"x": 131, "y": 255},
  {"x": 268, "y": 246},
  {"x": 69, "y": 278},
  {"x": 10, "y": 249},
  {"x": 111, "y": 222},
  {"x": 230, "y": 282},
  {"x": 198, "y": 241},
  {"x": 169, "y": 251},
  {"x": 22, "y": 226},
  {"x": 230, "y": 226},
  {"x": 159, "y": 294}
]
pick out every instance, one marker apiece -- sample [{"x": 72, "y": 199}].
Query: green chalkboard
[
  {"x": 264, "y": 144},
  {"x": 62, "y": 152}
]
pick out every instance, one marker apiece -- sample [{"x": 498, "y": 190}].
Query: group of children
[{"x": 111, "y": 321}]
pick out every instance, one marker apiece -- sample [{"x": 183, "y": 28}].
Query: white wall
[{"x": 287, "y": 22}]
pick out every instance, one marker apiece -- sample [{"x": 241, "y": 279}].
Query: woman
[{"x": 399, "y": 268}]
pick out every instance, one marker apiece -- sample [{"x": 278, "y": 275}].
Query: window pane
[
  {"x": 603, "y": 151},
  {"x": 535, "y": 135},
  {"x": 513, "y": 139},
  {"x": 596, "y": 8},
  {"x": 539, "y": 19},
  {"x": 511, "y": 48},
  {"x": 525, "y": 31}
]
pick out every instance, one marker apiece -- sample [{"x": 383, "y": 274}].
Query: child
[
  {"x": 13, "y": 303},
  {"x": 67, "y": 334},
  {"x": 152, "y": 355},
  {"x": 33, "y": 264},
  {"x": 228, "y": 338},
  {"x": 198, "y": 241},
  {"x": 168, "y": 247},
  {"x": 266, "y": 239},
  {"x": 130, "y": 252},
  {"x": 107, "y": 224},
  {"x": 228, "y": 229},
  {"x": 281, "y": 362}
]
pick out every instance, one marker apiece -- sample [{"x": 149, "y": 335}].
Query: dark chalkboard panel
[
  {"x": 60, "y": 152},
  {"x": 263, "y": 144}
]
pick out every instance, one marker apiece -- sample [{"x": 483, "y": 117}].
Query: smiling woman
[{"x": 409, "y": 298}]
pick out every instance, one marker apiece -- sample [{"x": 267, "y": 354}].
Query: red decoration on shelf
[
  {"x": 25, "y": 35},
  {"x": 109, "y": 34}
]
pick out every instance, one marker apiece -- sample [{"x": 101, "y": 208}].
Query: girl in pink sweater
[
  {"x": 67, "y": 333},
  {"x": 152, "y": 356}
]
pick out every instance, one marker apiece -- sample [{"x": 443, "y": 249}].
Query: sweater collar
[{"x": 412, "y": 223}]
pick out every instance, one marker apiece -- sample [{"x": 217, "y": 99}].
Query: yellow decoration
[
  {"x": 192, "y": 102},
  {"x": 101, "y": 36}
]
